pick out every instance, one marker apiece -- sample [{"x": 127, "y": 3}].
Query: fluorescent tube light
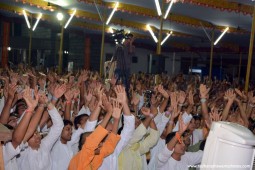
[
  {"x": 25, "y": 15},
  {"x": 158, "y": 8},
  {"x": 37, "y": 21},
  {"x": 168, "y": 35},
  {"x": 224, "y": 32},
  {"x": 113, "y": 11},
  {"x": 168, "y": 9},
  {"x": 151, "y": 32},
  {"x": 69, "y": 20}
]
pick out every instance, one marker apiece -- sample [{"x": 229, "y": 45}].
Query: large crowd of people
[{"x": 80, "y": 121}]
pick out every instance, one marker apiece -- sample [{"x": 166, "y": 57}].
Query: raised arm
[
  {"x": 57, "y": 93},
  {"x": 204, "y": 96},
  {"x": 38, "y": 114},
  {"x": 108, "y": 107},
  {"x": 150, "y": 140},
  {"x": 242, "y": 112},
  {"x": 22, "y": 127},
  {"x": 116, "y": 114},
  {"x": 69, "y": 96},
  {"x": 122, "y": 98},
  {"x": 230, "y": 96},
  {"x": 96, "y": 111},
  {"x": 166, "y": 98},
  {"x": 182, "y": 128}
]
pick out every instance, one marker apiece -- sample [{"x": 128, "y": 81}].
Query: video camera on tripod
[{"x": 120, "y": 35}]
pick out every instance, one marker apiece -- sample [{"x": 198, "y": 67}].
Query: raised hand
[
  {"x": 14, "y": 78},
  {"x": 88, "y": 95},
  {"x": 215, "y": 116},
  {"x": 146, "y": 111},
  {"x": 99, "y": 91},
  {"x": 204, "y": 91},
  {"x": 163, "y": 92},
  {"x": 117, "y": 107},
  {"x": 182, "y": 125},
  {"x": 59, "y": 91},
  {"x": 251, "y": 98},
  {"x": 121, "y": 94},
  {"x": 173, "y": 97},
  {"x": 241, "y": 94},
  {"x": 12, "y": 90},
  {"x": 106, "y": 105},
  {"x": 43, "y": 99},
  {"x": 5, "y": 79},
  {"x": 230, "y": 95},
  {"x": 83, "y": 77},
  {"x": 31, "y": 103},
  {"x": 69, "y": 95}
]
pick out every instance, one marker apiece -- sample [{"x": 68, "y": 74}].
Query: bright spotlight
[{"x": 60, "y": 16}]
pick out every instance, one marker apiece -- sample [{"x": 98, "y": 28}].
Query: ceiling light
[
  {"x": 71, "y": 17},
  {"x": 25, "y": 15},
  {"x": 168, "y": 35},
  {"x": 158, "y": 7},
  {"x": 224, "y": 32},
  {"x": 151, "y": 32},
  {"x": 113, "y": 11},
  {"x": 37, "y": 21},
  {"x": 60, "y": 16},
  {"x": 9, "y": 48},
  {"x": 168, "y": 9}
]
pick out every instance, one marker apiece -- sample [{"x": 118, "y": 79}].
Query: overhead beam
[
  {"x": 224, "y": 5},
  {"x": 137, "y": 10}
]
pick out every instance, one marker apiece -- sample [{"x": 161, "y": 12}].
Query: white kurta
[
  {"x": 166, "y": 162},
  {"x": 61, "y": 155},
  {"x": 40, "y": 159},
  {"x": 161, "y": 121},
  {"x": 9, "y": 154},
  {"x": 111, "y": 162},
  {"x": 196, "y": 136}
]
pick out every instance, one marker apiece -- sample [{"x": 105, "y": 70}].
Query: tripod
[{"x": 121, "y": 72}]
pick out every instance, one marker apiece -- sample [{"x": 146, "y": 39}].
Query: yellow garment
[{"x": 133, "y": 155}]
